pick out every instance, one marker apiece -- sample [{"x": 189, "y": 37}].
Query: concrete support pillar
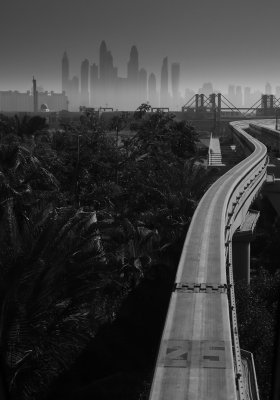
[
  {"x": 241, "y": 260},
  {"x": 241, "y": 247}
]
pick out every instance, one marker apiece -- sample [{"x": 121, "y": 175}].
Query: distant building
[
  {"x": 247, "y": 97},
  {"x": 85, "y": 83},
  {"x": 65, "y": 72},
  {"x": 133, "y": 66},
  {"x": 73, "y": 94},
  {"x": 231, "y": 95},
  {"x": 133, "y": 77},
  {"x": 175, "y": 84},
  {"x": 207, "y": 89},
  {"x": 13, "y": 101},
  {"x": 164, "y": 95},
  {"x": 142, "y": 86},
  {"x": 152, "y": 91},
  {"x": 268, "y": 88},
  {"x": 94, "y": 85},
  {"x": 108, "y": 76},
  {"x": 239, "y": 97}
]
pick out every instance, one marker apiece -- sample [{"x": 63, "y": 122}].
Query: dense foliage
[{"x": 85, "y": 216}]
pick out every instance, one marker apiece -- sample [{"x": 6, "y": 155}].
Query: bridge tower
[
  {"x": 267, "y": 104},
  {"x": 216, "y": 109}
]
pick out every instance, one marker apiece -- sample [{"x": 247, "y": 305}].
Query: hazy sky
[{"x": 214, "y": 40}]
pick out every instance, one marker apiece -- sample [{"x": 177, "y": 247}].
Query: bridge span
[{"x": 199, "y": 356}]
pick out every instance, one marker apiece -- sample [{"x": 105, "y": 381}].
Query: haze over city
[{"x": 221, "y": 42}]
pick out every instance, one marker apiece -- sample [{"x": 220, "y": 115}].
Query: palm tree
[{"x": 49, "y": 299}]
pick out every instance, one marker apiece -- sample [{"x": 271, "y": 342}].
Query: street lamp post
[{"x": 276, "y": 118}]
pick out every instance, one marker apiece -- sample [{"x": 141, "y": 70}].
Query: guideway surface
[{"x": 195, "y": 360}]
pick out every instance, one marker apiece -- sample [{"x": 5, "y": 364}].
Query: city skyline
[
  {"x": 219, "y": 41},
  {"x": 101, "y": 85}
]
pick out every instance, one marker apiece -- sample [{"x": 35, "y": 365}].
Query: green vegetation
[{"x": 91, "y": 228}]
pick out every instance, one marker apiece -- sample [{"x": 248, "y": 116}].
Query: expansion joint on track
[{"x": 187, "y": 287}]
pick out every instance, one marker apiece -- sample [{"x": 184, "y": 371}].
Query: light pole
[{"x": 276, "y": 118}]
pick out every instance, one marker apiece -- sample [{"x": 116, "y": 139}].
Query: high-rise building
[
  {"x": 74, "y": 94},
  {"x": 94, "y": 85},
  {"x": 85, "y": 83},
  {"x": 108, "y": 76},
  {"x": 65, "y": 72},
  {"x": 152, "y": 90},
  {"x": 102, "y": 61},
  {"x": 133, "y": 66},
  {"x": 132, "y": 78},
  {"x": 231, "y": 94},
  {"x": 207, "y": 89},
  {"x": 142, "y": 85},
  {"x": 247, "y": 97},
  {"x": 175, "y": 84},
  {"x": 239, "y": 99},
  {"x": 164, "y": 95},
  {"x": 277, "y": 92}
]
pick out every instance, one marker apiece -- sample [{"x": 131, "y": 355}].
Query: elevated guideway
[{"x": 199, "y": 356}]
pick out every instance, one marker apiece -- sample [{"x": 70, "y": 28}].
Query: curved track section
[{"x": 199, "y": 356}]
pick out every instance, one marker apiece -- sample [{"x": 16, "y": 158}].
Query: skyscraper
[
  {"x": 207, "y": 89},
  {"x": 231, "y": 94},
  {"x": 94, "y": 85},
  {"x": 152, "y": 90},
  {"x": 74, "y": 94},
  {"x": 247, "y": 97},
  {"x": 175, "y": 83},
  {"x": 132, "y": 77},
  {"x": 133, "y": 66},
  {"x": 164, "y": 96},
  {"x": 108, "y": 75},
  {"x": 65, "y": 72},
  {"x": 85, "y": 83},
  {"x": 142, "y": 85},
  {"x": 102, "y": 61},
  {"x": 239, "y": 99}
]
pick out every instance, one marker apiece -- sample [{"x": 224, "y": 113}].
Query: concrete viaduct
[{"x": 199, "y": 356}]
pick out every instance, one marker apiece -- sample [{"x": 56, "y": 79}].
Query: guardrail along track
[{"x": 199, "y": 356}]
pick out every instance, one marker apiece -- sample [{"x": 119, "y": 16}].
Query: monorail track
[{"x": 199, "y": 356}]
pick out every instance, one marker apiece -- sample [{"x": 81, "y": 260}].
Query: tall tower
[
  {"x": 85, "y": 83},
  {"x": 247, "y": 97},
  {"x": 94, "y": 85},
  {"x": 175, "y": 83},
  {"x": 239, "y": 96},
  {"x": 152, "y": 90},
  {"x": 142, "y": 85},
  {"x": 35, "y": 95},
  {"x": 133, "y": 66},
  {"x": 132, "y": 78},
  {"x": 164, "y": 97},
  {"x": 102, "y": 60},
  {"x": 65, "y": 72}
]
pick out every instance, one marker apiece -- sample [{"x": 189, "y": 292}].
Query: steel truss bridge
[
  {"x": 267, "y": 105},
  {"x": 199, "y": 356}
]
